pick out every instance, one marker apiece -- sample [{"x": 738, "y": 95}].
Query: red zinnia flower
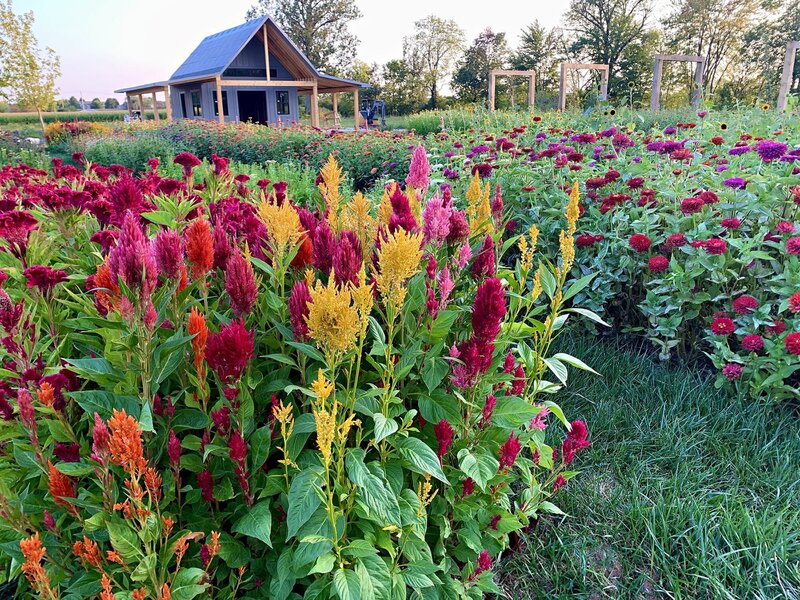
[
  {"x": 658, "y": 263},
  {"x": 732, "y": 371},
  {"x": 716, "y": 246},
  {"x": 794, "y": 302},
  {"x": 752, "y": 342},
  {"x": 674, "y": 240},
  {"x": 690, "y": 206},
  {"x": 777, "y": 328},
  {"x": 793, "y": 246},
  {"x": 732, "y": 223},
  {"x": 639, "y": 242},
  {"x": 511, "y": 448},
  {"x": 444, "y": 435},
  {"x": 792, "y": 343},
  {"x": 723, "y": 326},
  {"x": 744, "y": 304}
]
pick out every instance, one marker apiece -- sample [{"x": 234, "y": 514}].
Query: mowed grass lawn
[{"x": 686, "y": 492}]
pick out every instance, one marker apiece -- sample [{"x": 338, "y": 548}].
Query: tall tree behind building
[
  {"x": 432, "y": 50},
  {"x": 320, "y": 28}
]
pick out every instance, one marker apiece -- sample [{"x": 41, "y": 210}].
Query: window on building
[
  {"x": 197, "y": 106},
  {"x": 282, "y": 99},
  {"x": 224, "y": 104}
]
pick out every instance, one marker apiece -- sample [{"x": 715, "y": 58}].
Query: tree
[
  {"x": 541, "y": 50},
  {"x": 471, "y": 78},
  {"x": 96, "y": 103},
  {"x": 402, "y": 89},
  {"x": 610, "y": 32},
  {"x": 111, "y": 103},
  {"x": 432, "y": 49},
  {"x": 318, "y": 27},
  {"x": 27, "y": 74},
  {"x": 73, "y": 103},
  {"x": 714, "y": 29}
]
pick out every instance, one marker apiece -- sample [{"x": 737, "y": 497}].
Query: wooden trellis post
[
  {"x": 786, "y": 78},
  {"x": 658, "y": 68},
  {"x": 531, "y": 75},
  {"x": 567, "y": 67}
]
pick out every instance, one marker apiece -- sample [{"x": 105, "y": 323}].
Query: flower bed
[{"x": 209, "y": 389}]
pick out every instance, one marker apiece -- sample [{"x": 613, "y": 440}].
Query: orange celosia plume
[
  {"x": 199, "y": 248},
  {"x": 34, "y": 552},
  {"x": 125, "y": 444},
  {"x": 60, "y": 486},
  {"x": 197, "y": 327}
]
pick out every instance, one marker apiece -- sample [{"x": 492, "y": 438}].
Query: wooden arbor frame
[
  {"x": 152, "y": 91},
  {"x": 567, "y": 67},
  {"x": 495, "y": 73},
  {"x": 792, "y": 48},
  {"x": 658, "y": 66}
]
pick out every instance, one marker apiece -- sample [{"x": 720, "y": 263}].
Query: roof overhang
[{"x": 147, "y": 88}]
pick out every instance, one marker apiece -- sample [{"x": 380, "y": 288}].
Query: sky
[{"x": 110, "y": 44}]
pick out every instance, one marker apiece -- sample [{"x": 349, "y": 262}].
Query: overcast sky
[{"x": 109, "y": 44}]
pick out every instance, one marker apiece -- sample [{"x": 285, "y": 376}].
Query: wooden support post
[
  {"x": 168, "y": 103},
  {"x": 604, "y": 85},
  {"x": 141, "y": 106},
  {"x": 156, "y": 116},
  {"x": 562, "y": 89},
  {"x": 786, "y": 77},
  {"x": 315, "y": 106},
  {"x": 266, "y": 49},
  {"x": 655, "y": 93},
  {"x": 335, "y": 100},
  {"x": 697, "y": 91},
  {"x": 356, "y": 109},
  {"x": 220, "y": 107},
  {"x": 491, "y": 91},
  {"x": 128, "y": 100},
  {"x": 531, "y": 92}
]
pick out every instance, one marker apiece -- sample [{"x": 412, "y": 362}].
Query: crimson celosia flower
[
  {"x": 444, "y": 436},
  {"x": 15, "y": 228},
  {"x": 100, "y": 439},
  {"x": 347, "y": 258},
  {"x": 723, "y": 326},
  {"x": 744, "y": 304},
  {"x": 44, "y": 278},
  {"x": 658, "y": 263},
  {"x": 752, "y": 342},
  {"x": 237, "y": 447},
  {"x": 206, "y": 483},
  {"x": 488, "y": 310},
  {"x": 488, "y": 409},
  {"x": 229, "y": 351},
  {"x": 639, "y": 242},
  {"x": 459, "y": 227},
  {"x": 401, "y": 217},
  {"x": 576, "y": 440},
  {"x": 484, "y": 263},
  {"x": 188, "y": 161},
  {"x": 220, "y": 165},
  {"x": 559, "y": 483},
  {"x": 467, "y": 487},
  {"x": 509, "y": 451},
  {"x": 67, "y": 452},
  {"x": 174, "y": 449},
  {"x": 168, "y": 250},
  {"x": 484, "y": 563},
  {"x": 299, "y": 301},
  {"x": 240, "y": 283},
  {"x": 792, "y": 343},
  {"x": 732, "y": 371}
]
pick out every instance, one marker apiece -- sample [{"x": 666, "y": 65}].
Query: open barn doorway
[{"x": 253, "y": 106}]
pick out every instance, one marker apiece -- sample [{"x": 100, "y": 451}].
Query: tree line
[{"x": 743, "y": 42}]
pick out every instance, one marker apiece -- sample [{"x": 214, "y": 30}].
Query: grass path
[{"x": 685, "y": 492}]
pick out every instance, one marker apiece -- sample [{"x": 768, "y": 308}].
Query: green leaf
[
  {"x": 420, "y": 458},
  {"x": 186, "y": 584},
  {"x": 433, "y": 372},
  {"x": 374, "y": 492},
  {"x": 548, "y": 281},
  {"x": 383, "y": 427},
  {"x": 75, "y": 469},
  {"x": 304, "y": 499},
  {"x": 588, "y": 313},
  {"x": 575, "y": 362},
  {"x": 558, "y": 369},
  {"x": 144, "y": 568},
  {"x": 511, "y": 412},
  {"x": 91, "y": 368},
  {"x": 481, "y": 467},
  {"x": 259, "y": 446},
  {"x": 347, "y": 585},
  {"x": 324, "y": 564},
  {"x": 102, "y": 403},
  {"x": 124, "y": 540},
  {"x": 578, "y": 285},
  {"x": 256, "y": 523},
  {"x": 146, "y": 418}
]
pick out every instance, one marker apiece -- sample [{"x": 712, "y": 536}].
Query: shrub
[
  {"x": 131, "y": 152},
  {"x": 229, "y": 393}
]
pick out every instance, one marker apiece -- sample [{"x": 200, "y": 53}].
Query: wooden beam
[
  {"x": 156, "y": 116},
  {"x": 532, "y": 92},
  {"x": 655, "y": 93},
  {"x": 128, "y": 99},
  {"x": 697, "y": 91},
  {"x": 168, "y": 103},
  {"x": 220, "y": 107},
  {"x": 491, "y": 90},
  {"x": 509, "y": 73},
  {"x": 786, "y": 77},
  {"x": 356, "y": 109},
  {"x": 336, "y": 121},
  {"x": 562, "y": 89},
  {"x": 680, "y": 57},
  {"x": 314, "y": 107},
  {"x": 141, "y": 106},
  {"x": 309, "y": 83},
  {"x": 266, "y": 48},
  {"x": 604, "y": 85}
]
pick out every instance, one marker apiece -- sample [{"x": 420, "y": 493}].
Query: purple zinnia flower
[
  {"x": 737, "y": 183},
  {"x": 770, "y": 150}
]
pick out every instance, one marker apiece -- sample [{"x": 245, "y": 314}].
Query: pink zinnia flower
[
  {"x": 716, "y": 246},
  {"x": 794, "y": 302},
  {"x": 752, "y": 342},
  {"x": 792, "y": 343},
  {"x": 744, "y": 304},
  {"x": 732, "y": 371},
  {"x": 723, "y": 326},
  {"x": 639, "y": 242},
  {"x": 658, "y": 263}
]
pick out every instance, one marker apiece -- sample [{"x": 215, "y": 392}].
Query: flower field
[{"x": 212, "y": 390}]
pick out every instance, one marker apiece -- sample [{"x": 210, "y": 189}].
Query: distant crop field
[{"x": 31, "y": 118}]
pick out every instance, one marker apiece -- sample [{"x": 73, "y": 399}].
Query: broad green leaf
[
  {"x": 433, "y": 372},
  {"x": 304, "y": 498},
  {"x": 575, "y": 362},
  {"x": 144, "y": 568},
  {"x": 420, "y": 457},
  {"x": 124, "y": 540},
  {"x": 259, "y": 446},
  {"x": 186, "y": 584},
  {"x": 383, "y": 427},
  {"x": 374, "y": 492},
  {"x": 589, "y": 314},
  {"x": 324, "y": 564},
  {"x": 558, "y": 369},
  {"x": 103, "y": 403},
  {"x": 256, "y": 523},
  {"x": 347, "y": 585},
  {"x": 481, "y": 467}
]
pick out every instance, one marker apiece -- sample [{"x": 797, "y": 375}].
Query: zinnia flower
[
  {"x": 732, "y": 371},
  {"x": 723, "y": 326},
  {"x": 744, "y": 304},
  {"x": 770, "y": 150},
  {"x": 716, "y": 246},
  {"x": 792, "y": 343},
  {"x": 229, "y": 351},
  {"x": 794, "y": 302},
  {"x": 752, "y": 342},
  {"x": 793, "y": 246},
  {"x": 658, "y": 263},
  {"x": 639, "y": 242}
]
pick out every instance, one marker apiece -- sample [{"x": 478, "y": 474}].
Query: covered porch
[{"x": 148, "y": 89}]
